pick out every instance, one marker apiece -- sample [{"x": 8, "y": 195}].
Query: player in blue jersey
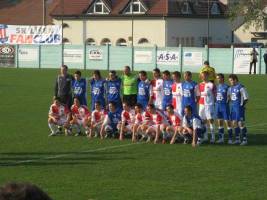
[
  {"x": 144, "y": 89},
  {"x": 193, "y": 127},
  {"x": 189, "y": 92},
  {"x": 222, "y": 109},
  {"x": 111, "y": 121},
  {"x": 97, "y": 90},
  {"x": 113, "y": 89},
  {"x": 79, "y": 87},
  {"x": 167, "y": 89},
  {"x": 239, "y": 98}
]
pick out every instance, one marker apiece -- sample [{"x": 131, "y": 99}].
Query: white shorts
[
  {"x": 158, "y": 104},
  {"x": 206, "y": 112},
  {"x": 61, "y": 121},
  {"x": 80, "y": 122},
  {"x": 154, "y": 126}
]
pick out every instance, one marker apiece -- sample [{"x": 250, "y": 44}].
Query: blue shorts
[
  {"x": 237, "y": 113},
  {"x": 143, "y": 103},
  {"x": 222, "y": 111},
  {"x": 166, "y": 103},
  {"x": 194, "y": 109}
]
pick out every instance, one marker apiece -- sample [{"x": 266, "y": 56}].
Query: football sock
[
  {"x": 237, "y": 133},
  {"x": 206, "y": 132},
  {"x": 230, "y": 133},
  {"x": 244, "y": 133},
  {"x": 212, "y": 131},
  {"x": 221, "y": 133},
  {"x": 53, "y": 127}
]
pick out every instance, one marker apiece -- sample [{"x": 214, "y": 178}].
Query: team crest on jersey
[{"x": 3, "y": 35}]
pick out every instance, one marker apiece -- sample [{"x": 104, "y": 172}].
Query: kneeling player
[
  {"x": 80, "y": 117},
  {"x": 174, "y": 129},
  {"x": 156, "y": 121},
  {"x": 58, "y": 116},
  {"x": 193, "y": 127},
  {"x": 109, "y": 126},
  {"x": 239, "y": 97},
  {"x": 138, "y": 121},
  {"x": 97, "y": 118},
  {"x": 127, "y": 120}
]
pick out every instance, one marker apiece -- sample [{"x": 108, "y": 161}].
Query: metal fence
[{"x": 224, "y": 60}]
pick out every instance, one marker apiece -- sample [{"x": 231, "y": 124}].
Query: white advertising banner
[
  {"x": 242, "y": 60},
  {"x": 73, "y": 55},
  {"x": 28, "y": 54},
  {"x": 168, "y": 57},
  {"x": 143, "y": 57},
  {"x": 17, "y": 34},
  {"x": 193, "y": 59},
  {"x": 95, "y": 54}
]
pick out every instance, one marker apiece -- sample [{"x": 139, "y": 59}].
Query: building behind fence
[{"x": 225, "y": 60}]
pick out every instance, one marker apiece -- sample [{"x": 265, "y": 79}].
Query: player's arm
[
  {"x": 244, "y": 95},
  {"x": 56, "y": 88},
  {"x": 106, "y": 122},
  {"x": 197, "y": 93}
]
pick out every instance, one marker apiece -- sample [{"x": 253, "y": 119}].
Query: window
[
  {"x": 192, "y": 41},
  {"x": 136, "y": 7},
  {"x": 90, "y": 41},
  {"x": 66, "y": 41},
  {"x": 186, "y": 8},
  {"x": 99, "y": 7},
  {"x": 65, "y": 25},
  {"x": 143, "y": 41},
  {"x": 105, "y": 41},
  {"x": 121, "y": 42},
  {"x": 177, "y": 41},
  {"x": 215, "y": 9}
]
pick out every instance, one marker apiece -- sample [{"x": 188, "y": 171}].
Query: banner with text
[
  {"x": 17, "y": 34},
  {"x": 73, "y": 55},
  {"x": 7, "y": 56},
  {"x": 28, "y": 54},
  {"x": 242, "y": 60},
  {"x": 193, "y": 59},
  {"x": 168, "y": 57},
  {"x": 143, "y": 57}
]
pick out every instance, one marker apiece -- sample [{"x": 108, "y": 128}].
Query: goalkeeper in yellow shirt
[{"x": 210, "y": 70}]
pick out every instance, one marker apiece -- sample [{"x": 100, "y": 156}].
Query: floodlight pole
[
  {"x": 44, "y": 12},
  {"x": 208, "y": 29},
  {"x": 62, "y": 32},
  {"x": 132, "y": 17}
]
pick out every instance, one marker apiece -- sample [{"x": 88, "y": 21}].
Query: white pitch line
[{"x": 66, "y": 155}]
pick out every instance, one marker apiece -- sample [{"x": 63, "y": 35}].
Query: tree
[{"x": 253, "y": 12}]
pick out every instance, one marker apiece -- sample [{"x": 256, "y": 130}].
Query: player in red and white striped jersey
[
  {"x": 177, "y": 93},
  {"x": 156, "y": 120},
  {"x": 97, "y": 118},
  {"x": 58, "y": 116},
  {"x": 157, "y": 89},
  {"x": 207, "y": 92},
  {"x": 80, "y": 116},
  {"x": 127, "y": 120},
  {"x": 138, "y": 121}
]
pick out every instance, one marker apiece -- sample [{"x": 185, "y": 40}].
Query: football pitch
[{"x": 75, "y": 168}]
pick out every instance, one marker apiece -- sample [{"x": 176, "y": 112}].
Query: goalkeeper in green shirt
[{"x": 129, "y": 85}]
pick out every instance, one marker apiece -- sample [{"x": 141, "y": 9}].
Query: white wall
[
  {"x": 152, "y": 29},
  {"x": 219, "y": 30}
]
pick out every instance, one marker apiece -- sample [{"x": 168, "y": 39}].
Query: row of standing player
[{"x": 181, "y": 94}]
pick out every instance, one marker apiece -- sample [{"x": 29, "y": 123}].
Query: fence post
[
  {"x": 84, "y": 55},
  {"x": 108, "y": 56},
  {"x": 156, "y": 51},
  {"x": 181, "y": 57},
  {"x": 233, "y": 58},
  {"x": 207, "y": 52},
  {"x": 17, "y": 56},
  {"x": 39, "y": 56},
  {"x": 260, "y": 60}
]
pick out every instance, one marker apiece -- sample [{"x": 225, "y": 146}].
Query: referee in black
[{"x": 63, "y": 86}]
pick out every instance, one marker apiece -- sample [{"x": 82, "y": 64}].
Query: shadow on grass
[{"x": 65, "y": 158}]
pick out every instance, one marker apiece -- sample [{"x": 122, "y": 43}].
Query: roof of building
[
  {"x": 69, "y": 8},
  {"x": 25, "y": 12}
]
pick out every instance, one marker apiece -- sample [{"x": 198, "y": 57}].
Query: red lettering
[
  {"x": 2, "y": 33},
  {"x": 28, "y": 39},
  {"x": 20, "y": 39},
  {"x": 13, "y": 38}
]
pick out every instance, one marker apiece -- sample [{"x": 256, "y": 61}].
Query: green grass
[{"x": 74, "y": 168}]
